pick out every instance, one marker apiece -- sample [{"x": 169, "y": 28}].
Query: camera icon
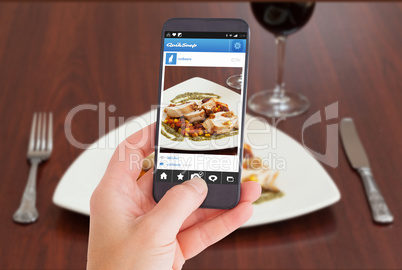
[{"x": 199, "y": 175}]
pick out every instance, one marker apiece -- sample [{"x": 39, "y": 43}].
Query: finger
[
  {"x": 130, "y": 153},
  {"x": 120, "y": 192},
  {"x": 249, "y": 192},
  {"x": 177, "y": 204},
  {"x": 198, "y": 237},
  {"x": 179, "y": 260}
]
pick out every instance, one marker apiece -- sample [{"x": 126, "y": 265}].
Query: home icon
[{"x": 163, "y": 176}]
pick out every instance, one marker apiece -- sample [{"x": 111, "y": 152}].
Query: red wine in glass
[{"x": 281, "y": 19}]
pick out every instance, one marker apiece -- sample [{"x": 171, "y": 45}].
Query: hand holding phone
[{"x": 136, "y": 233}]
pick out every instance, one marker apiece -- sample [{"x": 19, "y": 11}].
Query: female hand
[{"x": 128, "y": 230}]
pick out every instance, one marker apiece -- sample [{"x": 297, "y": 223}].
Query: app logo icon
[
  {"x": 212, "y": 178},
  {"x": 171, "y": 58}
]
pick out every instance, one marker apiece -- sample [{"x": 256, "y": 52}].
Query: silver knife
[{"x": 359, "y": 161}]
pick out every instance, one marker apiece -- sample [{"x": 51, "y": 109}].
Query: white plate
[
  {"x": 201, "y": 85},
  {"x": 306, "y": 184}
]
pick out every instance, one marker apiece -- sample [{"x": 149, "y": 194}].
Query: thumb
[{"x": 178, "y": 203}]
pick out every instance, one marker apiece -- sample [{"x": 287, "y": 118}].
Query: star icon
[{"x": 180, "y": 176}]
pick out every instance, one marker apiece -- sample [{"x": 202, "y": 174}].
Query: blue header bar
[{"x": 204, "y": 45}]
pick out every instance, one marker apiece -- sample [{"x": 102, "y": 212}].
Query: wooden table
[{"x": 55, "y": 56}]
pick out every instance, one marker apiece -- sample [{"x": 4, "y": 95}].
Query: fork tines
[{"x": 40, "y": 143}]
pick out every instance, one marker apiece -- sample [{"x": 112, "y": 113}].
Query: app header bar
[{"x": 204, "y": 45}]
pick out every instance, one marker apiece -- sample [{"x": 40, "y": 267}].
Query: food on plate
[
  {"x": 195, "y": 116},
  {"x": 175, "y": 111},
  {"x": 208, "y": 104},
  {"x": 247, "y": 151},
  {"x": 221, "y": 122},
  {"x": 253, "y": 170},
  {"x": 202, "y": 118}
]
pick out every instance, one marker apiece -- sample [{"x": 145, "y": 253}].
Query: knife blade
[{"x": 358, "y": 159}]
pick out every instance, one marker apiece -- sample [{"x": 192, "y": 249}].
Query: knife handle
[{"x": 379, "y": 208}]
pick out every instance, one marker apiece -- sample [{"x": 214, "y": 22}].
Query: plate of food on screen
[{"x": 199, "y": 115}]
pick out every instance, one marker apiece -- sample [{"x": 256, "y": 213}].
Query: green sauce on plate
[
  {"x": 182, "y": 98},
  {"x": 268, "y": 196}
]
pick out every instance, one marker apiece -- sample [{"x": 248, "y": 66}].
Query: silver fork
[{"x": 39, "y": 150}]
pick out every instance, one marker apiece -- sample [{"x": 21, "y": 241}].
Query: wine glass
[
  {"x": 235, "y": 81},
  {"x": 281, "y": 19}
]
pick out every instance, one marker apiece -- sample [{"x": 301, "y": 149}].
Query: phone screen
[{"x": 200, "y": 116}]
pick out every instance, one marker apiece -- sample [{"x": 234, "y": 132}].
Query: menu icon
[{"x": 230, "y": 178}]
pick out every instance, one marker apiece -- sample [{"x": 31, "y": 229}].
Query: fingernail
[{"x": 198, "y": 184}]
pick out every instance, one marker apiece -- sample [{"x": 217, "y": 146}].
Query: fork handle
[
  {"x": 27, "y": 211},
  {"x": 379, "y": 208}
]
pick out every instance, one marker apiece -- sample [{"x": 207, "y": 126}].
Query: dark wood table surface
[{"x": 55, "y": 56}]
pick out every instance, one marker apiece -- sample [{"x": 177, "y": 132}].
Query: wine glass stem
[{"x": 279, "y": 90}]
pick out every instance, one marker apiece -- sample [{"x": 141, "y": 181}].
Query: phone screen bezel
[{"x": 219, "y": 196}]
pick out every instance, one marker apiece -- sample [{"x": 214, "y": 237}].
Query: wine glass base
[
  {"x": 235, "y": 81},
  {"x": 291, "y": 104}
]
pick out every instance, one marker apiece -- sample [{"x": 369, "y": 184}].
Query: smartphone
[{"x": 200, "y": 118}]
